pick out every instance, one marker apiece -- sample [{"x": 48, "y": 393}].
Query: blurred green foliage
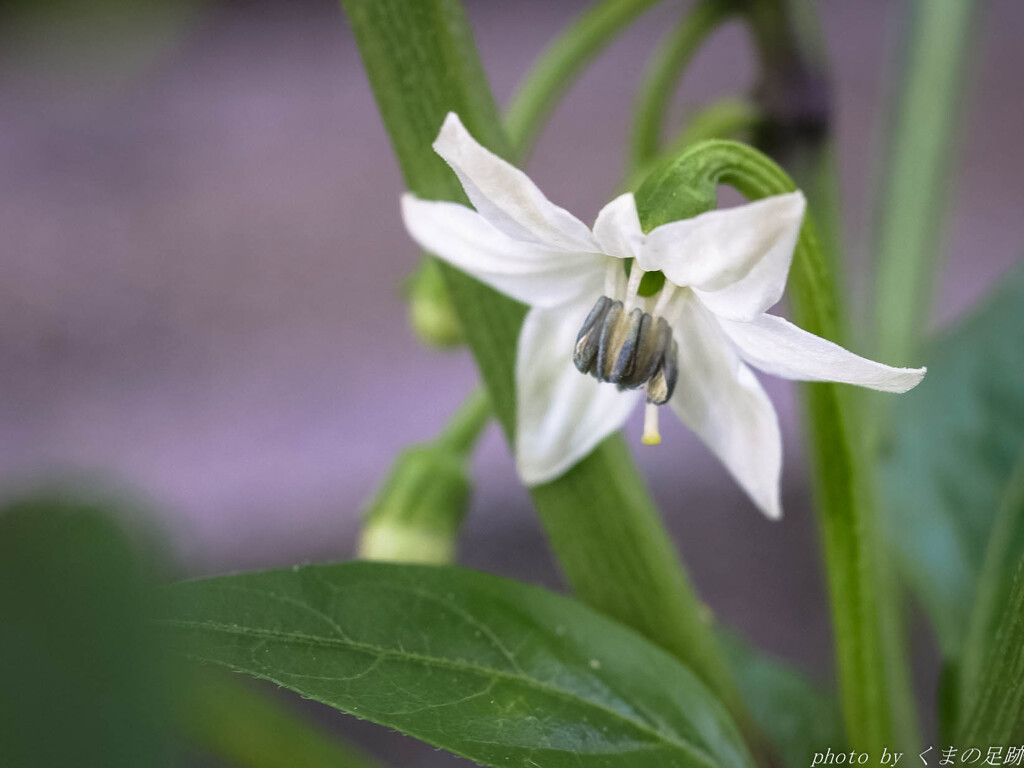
[
  {"x": 82, "y": 684},
  {"x": 797, "y": 717},
  {"x": 956, "y": 441},
  {"x": 87, "y": 681},
  {"x": 105, "y": 44}
]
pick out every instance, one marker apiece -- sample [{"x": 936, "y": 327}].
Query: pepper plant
[{"x": 665, "y": 299}]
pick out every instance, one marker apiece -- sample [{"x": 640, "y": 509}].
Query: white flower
[{"x": 723, "y": 270}]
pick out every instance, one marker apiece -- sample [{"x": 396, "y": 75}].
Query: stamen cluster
[{"x": 631, "y": 349}]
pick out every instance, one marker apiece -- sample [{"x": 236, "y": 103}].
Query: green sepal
[
  {"x": 417, "y": 513},
  {"x": 431, "y": 314}
]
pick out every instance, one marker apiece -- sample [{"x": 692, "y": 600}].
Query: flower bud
[
  {"x": 431, "y": 313},
  {"x": 418, "y": 510}
]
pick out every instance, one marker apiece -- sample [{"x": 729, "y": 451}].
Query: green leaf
[
  {"x": 496, "y": 671},
  {"x": 956, "y": 440},
  {"x": 798, "y": 719},
  {"x": 995, "y": 715},
  {"x": 81, "y": 682}
]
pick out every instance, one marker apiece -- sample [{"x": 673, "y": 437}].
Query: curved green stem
[
  {"x": 563, "y": 61},
  {"x": 686, "y": 188},
  {"x": 794, "y": 96},
  {"x": 663, "y": 73},
  {"x": 467, "y": 423}
]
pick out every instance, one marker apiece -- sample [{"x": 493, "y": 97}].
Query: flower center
[{"x": 623, "y": 344}]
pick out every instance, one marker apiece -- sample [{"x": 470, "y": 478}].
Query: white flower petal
[
  {"x": 505, "y": 196},
  {"x": 739, "y": 256},
  {"x": 617, "y": 228},
  {"x": 532, "y": 274},
  {"x": 778, "y": 347},
  {"x": 561, "y": 414},
  {"x": 720, "y": 399}
]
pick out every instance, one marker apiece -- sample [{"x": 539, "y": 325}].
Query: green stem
[
  {"x": 794, "y": 98},
  {"x": 618, "y": 557},
  {"x": 688, "y": 187},
  {"x": 725, "y": 119},
  {"x": 911, "y": 208},
  {"x": 563, "y": 61},
  {"x": 666, "y": 67},
  {"x": 601, "y": 521},
  {"x": 467, "y": 423}
]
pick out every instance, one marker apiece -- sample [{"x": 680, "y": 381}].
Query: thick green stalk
[
  {"x": 911, "y": 207},
  {"x": 600, "y": 518},
  {"x": 665, "y": 69},
  {"x": 688, "y": 187},
  {"x": 563, "y": 61}
]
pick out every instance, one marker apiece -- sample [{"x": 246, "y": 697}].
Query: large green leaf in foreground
[
  {"x": 494, "y": 670},
  {"x": 956, "y": 441}
]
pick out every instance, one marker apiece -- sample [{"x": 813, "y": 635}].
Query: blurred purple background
[{"x": 202, "y": 255}]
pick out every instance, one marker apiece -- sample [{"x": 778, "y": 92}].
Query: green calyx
[
  {"x": 431, "y": 313},
  {"x": 416, "y": 515}
]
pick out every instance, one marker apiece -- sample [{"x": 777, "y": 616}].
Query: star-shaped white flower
[{"x": 723, "y": 270}]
